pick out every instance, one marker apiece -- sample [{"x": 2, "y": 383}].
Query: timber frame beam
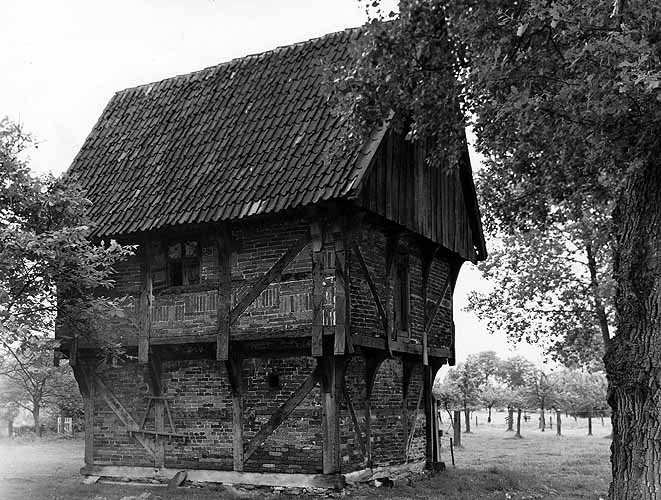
[{"x": 282, "y": 413}]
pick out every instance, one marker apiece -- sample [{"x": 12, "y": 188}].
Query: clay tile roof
[{"x": 246, "y": 137}]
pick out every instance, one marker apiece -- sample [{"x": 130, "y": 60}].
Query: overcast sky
[{"x": 61, "y": 61}]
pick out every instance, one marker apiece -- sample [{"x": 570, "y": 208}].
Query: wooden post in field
[
  {"x": 457, "y": 428},
  {"x": 558, "y": 422}
]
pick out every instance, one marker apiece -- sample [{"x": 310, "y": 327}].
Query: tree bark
[
  {"x": 558, "y": 422},
  {"x": 10, "y": 428},
  {"x": 590, "y": 424},
  {"x": 467, "y": 418},
  {"x": 510, "y": 419},
  {"x": 633, "y": 359},
  {"x": 489, "y": 417},
  {"x": 518, "y": 423},
  {"x": 599, "y": 308},
  {"x": 542, "y": 419},
  {"x": 35, "y": 418}
]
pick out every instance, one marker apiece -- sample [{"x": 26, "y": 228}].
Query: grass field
[{"x": 491, "y": 465}]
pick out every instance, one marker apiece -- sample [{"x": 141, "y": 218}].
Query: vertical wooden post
[
  {"x": 341, "y": 285},
  {"x": 237, "y": 431},
  {"x": 234, "y": 368},
  {"x": 146, "y": 298},
  {"x": 224, "y": 295},
  {"x": 429, "y": 417},
  {"x": 152, "y": 375},
  {"x": 317, "y": 290},
  {"x": 332, "y": 373},
  {"x": 89, "y": 417}
]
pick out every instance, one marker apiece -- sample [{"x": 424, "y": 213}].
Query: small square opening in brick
[{"x": 274, "y": 381}]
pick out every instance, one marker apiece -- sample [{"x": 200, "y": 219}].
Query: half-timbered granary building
[{"x": 291, "y": 297}]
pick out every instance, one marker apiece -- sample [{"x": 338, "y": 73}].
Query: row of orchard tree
[{"x": 486, "y": 381}]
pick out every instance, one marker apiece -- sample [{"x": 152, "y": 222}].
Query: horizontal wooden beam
[
  {"x": 400, "y": 346},
  {"x": 334, "y": 481}
]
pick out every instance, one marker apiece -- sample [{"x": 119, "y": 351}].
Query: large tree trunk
[
  {"x": 35, "y": 418},
  {"x": 633, "y": 358},
  {"x": 518, "y": 424},
  {"x": 510, "y": 418},
  {"x": 589, "y": 424},
  {"x": 542, "y": 419},
  {"x": 10, "y": 428},
  {"x": 467, "y": 417},
  {"x": 558, "y": 422},
  {"x": 489, "y": 417}
]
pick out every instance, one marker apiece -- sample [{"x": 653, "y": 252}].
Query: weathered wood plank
[
  {"x": 335, "y": 481},
  {"x": 281, "y": 414},
  {"x": 146, "y": 298},
  {"x": 372, "y": 287},
  {"x": 269, "y": 277}
]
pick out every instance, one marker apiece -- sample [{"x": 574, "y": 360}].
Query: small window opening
[
  {"x": 176, "y": 264},
  {"x": 274, "y": 381}
]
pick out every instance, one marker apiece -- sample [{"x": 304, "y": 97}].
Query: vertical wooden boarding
[
  {"x": 224, "y": 296},
  {"x": 144, "y": 320},
  {"x": 317, "y": 290}
]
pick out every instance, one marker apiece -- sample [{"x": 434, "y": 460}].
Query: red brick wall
[{"x": 199, "y": 398}]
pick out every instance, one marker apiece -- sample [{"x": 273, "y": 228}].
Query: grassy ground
[{"x": 491, "y": 465}]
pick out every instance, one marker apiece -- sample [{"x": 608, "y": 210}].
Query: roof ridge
[{"x": 235, "y": 60}]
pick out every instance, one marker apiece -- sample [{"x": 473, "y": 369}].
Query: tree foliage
[
  {"x": 564, "y": 100},
  {"x": 49, "y": 266},
  {"x": 551, "y": 287}
]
